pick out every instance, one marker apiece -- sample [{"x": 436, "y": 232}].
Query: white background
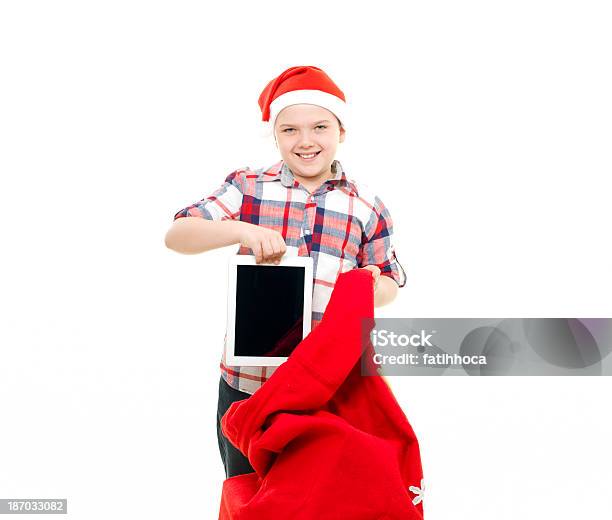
[{"x": 484, "y": 127}]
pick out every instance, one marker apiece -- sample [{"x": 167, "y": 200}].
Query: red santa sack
[{"x": 325, "y": 442}]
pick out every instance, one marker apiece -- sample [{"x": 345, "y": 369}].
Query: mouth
[{"x": 308, "y": 157}]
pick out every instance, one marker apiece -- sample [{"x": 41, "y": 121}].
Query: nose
[{"x": 305, "y": 140}]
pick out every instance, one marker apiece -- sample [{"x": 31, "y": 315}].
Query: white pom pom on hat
[{"x": 297, "y": 85}]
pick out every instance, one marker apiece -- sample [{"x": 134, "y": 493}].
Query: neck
[{"x": 313, "y": 183}]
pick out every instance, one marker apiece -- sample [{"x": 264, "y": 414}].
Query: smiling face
[{"x": 303, "y": 130}]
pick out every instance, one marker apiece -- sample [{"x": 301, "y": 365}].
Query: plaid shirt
[{"x": 340, "y": 225}]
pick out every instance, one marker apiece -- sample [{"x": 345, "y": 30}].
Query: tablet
[{"x": 269, "y": 309}]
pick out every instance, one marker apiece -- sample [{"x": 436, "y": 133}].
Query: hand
[
  {"x": 267, "y": 244},
  {"x": 375, "y": 274}
]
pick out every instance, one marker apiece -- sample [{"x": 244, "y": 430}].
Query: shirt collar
[{"x": 280, "y": 171}]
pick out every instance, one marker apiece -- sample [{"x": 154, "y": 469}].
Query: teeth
[{"x": 310, "y": 155}]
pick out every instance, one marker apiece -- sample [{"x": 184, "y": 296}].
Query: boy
[{"x": 303, "y": 205}]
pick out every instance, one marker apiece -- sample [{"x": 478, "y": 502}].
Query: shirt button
[{"x": 307, "y": 231}]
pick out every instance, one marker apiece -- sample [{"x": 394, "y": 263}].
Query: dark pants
[{"x": 234, "y": 461}]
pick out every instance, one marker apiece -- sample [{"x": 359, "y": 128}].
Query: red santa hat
[{"x": 297, "y": 85}]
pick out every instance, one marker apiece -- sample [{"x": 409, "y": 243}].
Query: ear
[{"x": 342, "y": 135}]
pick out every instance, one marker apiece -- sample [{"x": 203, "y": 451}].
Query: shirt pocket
[{"x": 339, "y": 236}]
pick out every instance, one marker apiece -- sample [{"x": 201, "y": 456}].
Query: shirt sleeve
[
  {"x": 377, "y": 245},
  {"x": 223, "y": 204}
]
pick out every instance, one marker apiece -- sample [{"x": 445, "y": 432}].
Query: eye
[
  {"x": 288, "y": 129},
  {"x": 321, "y": 126}
]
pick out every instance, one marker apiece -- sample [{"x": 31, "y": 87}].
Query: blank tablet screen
[{"x": 269, "y": 310}]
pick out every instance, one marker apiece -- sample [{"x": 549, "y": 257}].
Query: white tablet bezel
[{"x": 236, "y": 260}]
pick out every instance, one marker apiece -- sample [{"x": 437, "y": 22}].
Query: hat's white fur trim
[
  {"x": 310, "y": 97},
  {"x": 265, "y": 130}
]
